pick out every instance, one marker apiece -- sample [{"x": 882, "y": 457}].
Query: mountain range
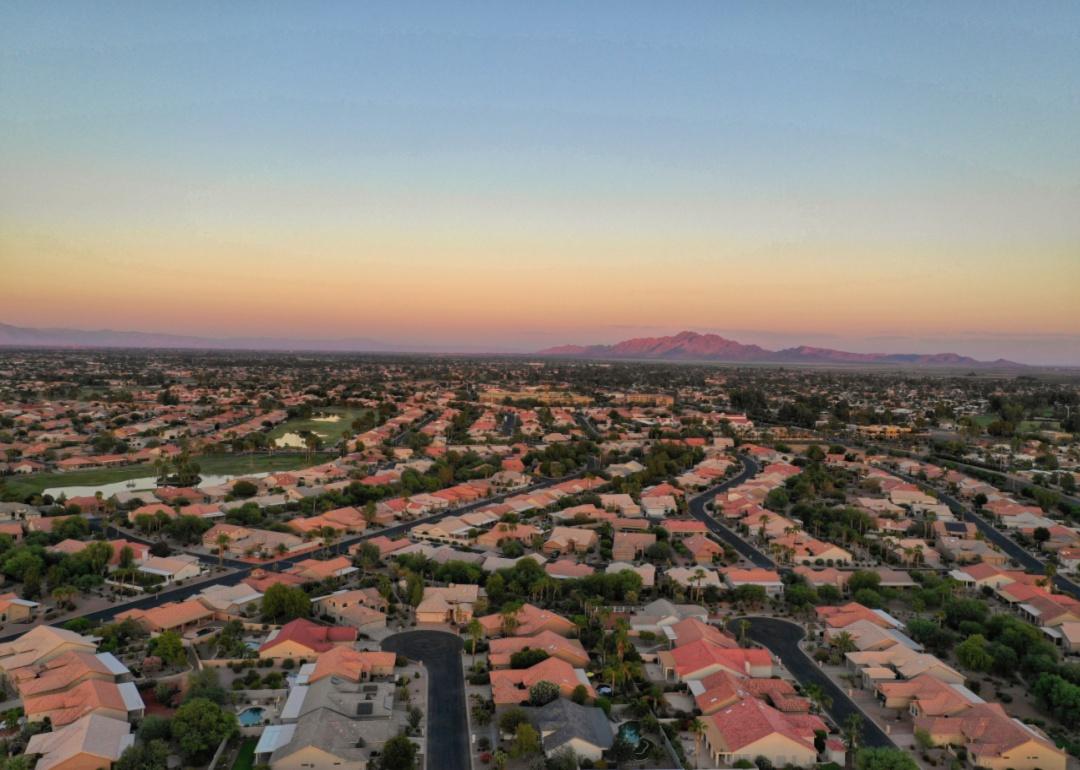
[
  {"x": 21, "y": 336},
  {"x": 691, "y": 346},
  {"x": 685, "y": 346}
]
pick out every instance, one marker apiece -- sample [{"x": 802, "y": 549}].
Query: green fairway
[
  {"x": 19, "y": 488},
  {"x": 330, "y": 432}
]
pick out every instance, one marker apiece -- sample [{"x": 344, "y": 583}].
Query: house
[
  {"x": 65, "y": 672},
  {"x": 249, "y": 543},
  {"x": 723, "y": 688},
  {"x": 842, "y": 616},
  {"x": 570, "y": 540},
  {"x": 91, "y": 742},
  {"x": 926, "y": 696},
  {"x": 301, "y": 638},
  {"x": 570, "y": 650},
  {"x": 354, "y": 665},
  {"x": 230, "y": 600},
  {"x": 90, "y": 696},
  {"x": 567, "y": 569},
  {"x": 347, "y": 519},
  {"x": 703, "y": 550},
  {"x": 681, "y": 528},
  {"x": 563, "y": 724},
  {"x": 171, "y": 616},
  {"x": 660, "y": 613},
  {"x": 700, "y": 658},
  {"x": 659, "y": 506},
  {"x": 355, "y": 608},
  {"x": 692, "y": 629},
  {"x": 766, "y": 578},
  {"x": 41, "y": 644},
  {"x": 312, "y": 570},
  {"x": 629, "y": 546},
  {"x": 503, "y": 531},
  {"x": 320, "y": 738},
  {"x": 511, "y": 686},
  {"x": 260, "y": 580},
  {"x": 12, "y": 529},
  {"x": 14, "y": 609},
  {"x": 450, "y": 604},
  {"x": 694, "y": 578},
  {"x": 900, "y": 660},
  {"x": 529, "y": 620},
  {"x": 172, "y": 568},
  {"x": 750, "y": 729},
  {"x": 994, "y": 740},
  {"x": 828, "y": 576},
  {"x": 622, "y": 504}
]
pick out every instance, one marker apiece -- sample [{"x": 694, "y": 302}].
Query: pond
[
  {"x": 250, "y": 717},
  {"x": 142, "y": 483}
]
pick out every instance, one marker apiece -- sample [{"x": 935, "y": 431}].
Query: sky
[{"x": 890, "y": 177}]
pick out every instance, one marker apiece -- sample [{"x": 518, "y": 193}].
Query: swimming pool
[{"x": 250, "y": 717}]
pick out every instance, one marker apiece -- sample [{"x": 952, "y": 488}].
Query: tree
[
  {"x": 169, "y": 647},
  {"x": 205, "y": 684},
  {"x": 222, "y": 541},
  {"x": 543, "y": 692},
  {"x": 475, "y": 631},
  {"x": 282, "y": 603},
  {"x": 399, "y": 753},
  {"x": 884, "y": 759},
  {"x": 244, "y": 489},
  {"x": 843, "y": 643},
  {"x": 697, "y": 729},
  {"x": 153, "y": 755},
  {"x": 852, "y": 735},
  {"x": 526, "y": 741},
  {"x": 511, "y": 718},
  {"x": 973, "y": 654},
  {"x": 199, "y": 726}
]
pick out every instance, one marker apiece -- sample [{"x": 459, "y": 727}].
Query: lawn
[
  {"x": 330, "y": 432},
  {"x": 19, "y": 488},
  {"x": 245, "y": 760}
]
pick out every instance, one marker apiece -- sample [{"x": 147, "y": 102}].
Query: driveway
[
  {"x": 781, "y": 638},
  {"x": 447, "y": 726}
]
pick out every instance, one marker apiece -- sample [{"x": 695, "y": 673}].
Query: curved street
[
  {"x": 697, "y": 510},
  {"x": 447, "y": 726},
  {"x": 781, "y": 638}
]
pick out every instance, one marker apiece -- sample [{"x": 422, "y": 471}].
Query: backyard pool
[
  {"x": 250, "y": 717},
  {"x": 631, "y": 733}
]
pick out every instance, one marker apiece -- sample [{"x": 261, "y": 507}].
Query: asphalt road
[
  {"x": 447, "y": 726},
  {"x": 781, "y": 638},
  {"x": 697, "y": 510},
  {"x": 1021, "y": 555},
  {"x": 243, "y": 569}
]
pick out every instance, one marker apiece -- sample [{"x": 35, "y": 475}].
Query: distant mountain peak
[{"x": 694, "y": 346}]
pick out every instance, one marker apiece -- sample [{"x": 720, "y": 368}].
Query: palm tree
[
  {"x": 697, "y": 728},
  {"x": 509, "y": 620},
  {"x": 852, "y": 732},
  {"x": 744, "y": 631},
  {"x": 1051, "y": 572},
  {"x": 844, "y": 643},
  {"x": 699, "y": 575},
  {"x": 818, "y": 696},
  {"x": 476, "y": 632},
  {"x": 222, "y": 543}
]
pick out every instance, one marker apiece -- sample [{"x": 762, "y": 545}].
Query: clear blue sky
[{"x": 710, "y": 142}]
